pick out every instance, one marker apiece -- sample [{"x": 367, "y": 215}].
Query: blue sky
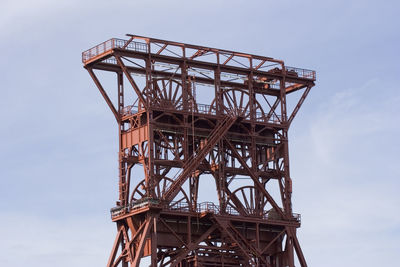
[{"x": 58, "y": 149}]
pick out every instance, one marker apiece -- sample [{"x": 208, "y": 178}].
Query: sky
[{"x": 58, "y": 148}]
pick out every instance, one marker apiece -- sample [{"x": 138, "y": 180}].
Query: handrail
[
  {"x": 207, "y": 109},
  {"x": 302, "y": 73},
  {"x": 210, "y": 207},
  {"x": 112, "y": 43},
  {"x": 203, "y": 207}
]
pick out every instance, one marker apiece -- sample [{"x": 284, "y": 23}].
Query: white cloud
[{"x": 342, "y": 183}]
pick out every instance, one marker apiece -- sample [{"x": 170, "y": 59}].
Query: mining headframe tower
[{"x": 195, "y": 121}]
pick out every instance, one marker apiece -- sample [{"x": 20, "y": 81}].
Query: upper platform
[{"x": 196, "y": 56}]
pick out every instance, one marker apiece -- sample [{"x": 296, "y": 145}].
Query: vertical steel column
[
  {"x": 151, "y": 144},
  {"x": 287, "y": 205},
  {"x": 154, "y": 243},
  {"x": 220, "y": 177},
  {"x": 122, "y": 165},
  {"x": 186, "y": 124}
]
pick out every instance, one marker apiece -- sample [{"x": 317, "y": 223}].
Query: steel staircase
[{"x": 194, "y": 161}]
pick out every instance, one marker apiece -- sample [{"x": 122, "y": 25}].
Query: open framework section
[{"x": 195, "y": 121}]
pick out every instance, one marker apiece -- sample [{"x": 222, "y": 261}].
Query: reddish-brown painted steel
[{"x": 239, "y": 138}]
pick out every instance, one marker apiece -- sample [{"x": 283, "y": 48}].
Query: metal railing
[
  {"x": 110, "y": 44},
  {"x": 97, "y": 50},
  {"x": 203, "y": 207},
  {"x": 206, "y": 109},
  {"x": 302, "y": 73},
  {"x": 179, "y": 206},
  {"x": 210, "y": 207}
]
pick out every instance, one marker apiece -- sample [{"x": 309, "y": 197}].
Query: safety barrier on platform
[
  {"x": 180, "y": 206},
  {"x": 110, "y": 44},
  {"x": 207, "y": 109},
  {"x": 303, "y": 73}
]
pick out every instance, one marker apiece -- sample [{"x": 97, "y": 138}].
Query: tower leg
[{"x": 153, "y": 241}]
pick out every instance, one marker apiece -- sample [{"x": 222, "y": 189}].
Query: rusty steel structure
[{"x": 196, "y": 122}]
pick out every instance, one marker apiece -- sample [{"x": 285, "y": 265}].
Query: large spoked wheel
[
  {"x": 167, "y": 93},
  {"x": 237, "y": 100},
  {"x": 140, "y": 192},
  {"x": 250, "y": 203}
]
